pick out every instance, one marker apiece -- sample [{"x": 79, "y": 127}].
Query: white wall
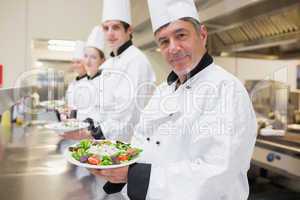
[
  {"x": 245, "y": 69},
  {"x": 230, "y": 64},
  {"x": 22, "y": 21},
  {"x": 67, "y": 19},
  {"x": 12, "y": 39}
]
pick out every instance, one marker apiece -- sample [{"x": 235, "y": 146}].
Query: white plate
[
  {"x": 53, "y": 103},
  {"x": 69, "y": 158},
  {"x": 67, "y": 126}
]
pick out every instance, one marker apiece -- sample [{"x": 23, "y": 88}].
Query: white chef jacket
[
  {"x": 125, "y": 87},
  {"x": 71, "y": 96},
  {"x": 78, "y": 97},
  {"x": 84, "y": 96},
  {"x": 199, "y": 138}
]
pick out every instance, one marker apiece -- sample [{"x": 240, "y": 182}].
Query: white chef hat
[
  {"x": 163, "y": 12},
  {"x": 96, "y": 38},
  {"x": 78, "y": 52},
  {"x": 116, "y": 10}
]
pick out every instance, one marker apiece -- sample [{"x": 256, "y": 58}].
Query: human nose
[
  {"x": 110, "y": 32},
  {"x": 174, "y": 47},
  {"x": 88, "y": 61}
]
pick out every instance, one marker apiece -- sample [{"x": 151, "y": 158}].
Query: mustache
[{"x": 179, "y": 55}]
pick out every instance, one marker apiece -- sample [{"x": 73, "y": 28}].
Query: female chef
[{"x": 93, "y": 59}]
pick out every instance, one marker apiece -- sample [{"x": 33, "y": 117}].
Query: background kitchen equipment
[{"x": 270, "y": 102}]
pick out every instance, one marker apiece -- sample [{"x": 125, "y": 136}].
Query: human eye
[
  {"x": 163, "y": 43},
  {"x": 181, "y": 35},
  {"x": 105, "y": 28},
  {"x": 116, "y": 27}
]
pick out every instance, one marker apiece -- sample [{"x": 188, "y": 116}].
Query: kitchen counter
[
  {"x": 32, "y": 167},
  {"x": 280, "y": 154},
  {"x": 290, "y": 142}
]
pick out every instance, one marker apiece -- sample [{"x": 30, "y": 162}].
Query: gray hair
[{"x": 196, "y": 24}]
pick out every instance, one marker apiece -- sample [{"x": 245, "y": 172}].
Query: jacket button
[
  {"x": 148, "y": 139},
  {"x": 170, "y": 115},
  {"x": 188, "y": 87},
  {"x": 158, "y": 142}
]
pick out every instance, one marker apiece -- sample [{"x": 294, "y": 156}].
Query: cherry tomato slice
[
  {"x": 122, "y": 157},
  {"x": 93, "y": 161}
]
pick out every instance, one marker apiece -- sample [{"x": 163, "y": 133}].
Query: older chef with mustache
[{"x": 199, "y": 129}]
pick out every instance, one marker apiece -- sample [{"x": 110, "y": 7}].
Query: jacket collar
[
  {"x": 96, "y": 75},
  {"x": 78, "y": 78},
  {"x": 205, "y": 61},
  {"x": 122, "y": 48}
]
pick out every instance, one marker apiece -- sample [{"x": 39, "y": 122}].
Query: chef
[
  {"x": 78, "y": 68},
  {"x": 83, "y": 95},
  {"x": 127, "y": 77},
  {"x": 93, "y": 59},
  {"x": 90, "y": 90},
  {"x": 198, "y": 131}
]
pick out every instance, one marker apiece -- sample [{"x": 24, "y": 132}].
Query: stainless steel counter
[{"x": 32, "y": 167}]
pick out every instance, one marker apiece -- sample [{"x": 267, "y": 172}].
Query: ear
[
  {"x": 102, "y": 60},
  {"x": 203, "y": 34},
  {"x": 130, "y": 29}
]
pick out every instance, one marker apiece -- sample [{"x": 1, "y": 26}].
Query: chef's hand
[
  {"x": 77, "y": 135},
  {"x": 117, "y": 175},
  {"x": 64, "y": 113}
]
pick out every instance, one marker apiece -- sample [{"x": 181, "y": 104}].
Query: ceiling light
[
  {"x": 60, "y": 48},
  {"x": 61, "y": 45},
  {"x": 224, "y": 54}
]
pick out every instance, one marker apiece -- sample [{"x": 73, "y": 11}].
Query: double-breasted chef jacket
[
  {"x": 125, "y": 86},
  {"x": 76, "y": 95},
  {"x": 71, "y": 91},
  {"x": 197, "y": 139}
]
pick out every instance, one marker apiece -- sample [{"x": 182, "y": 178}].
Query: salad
[{"x": 103, "y": 152}]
